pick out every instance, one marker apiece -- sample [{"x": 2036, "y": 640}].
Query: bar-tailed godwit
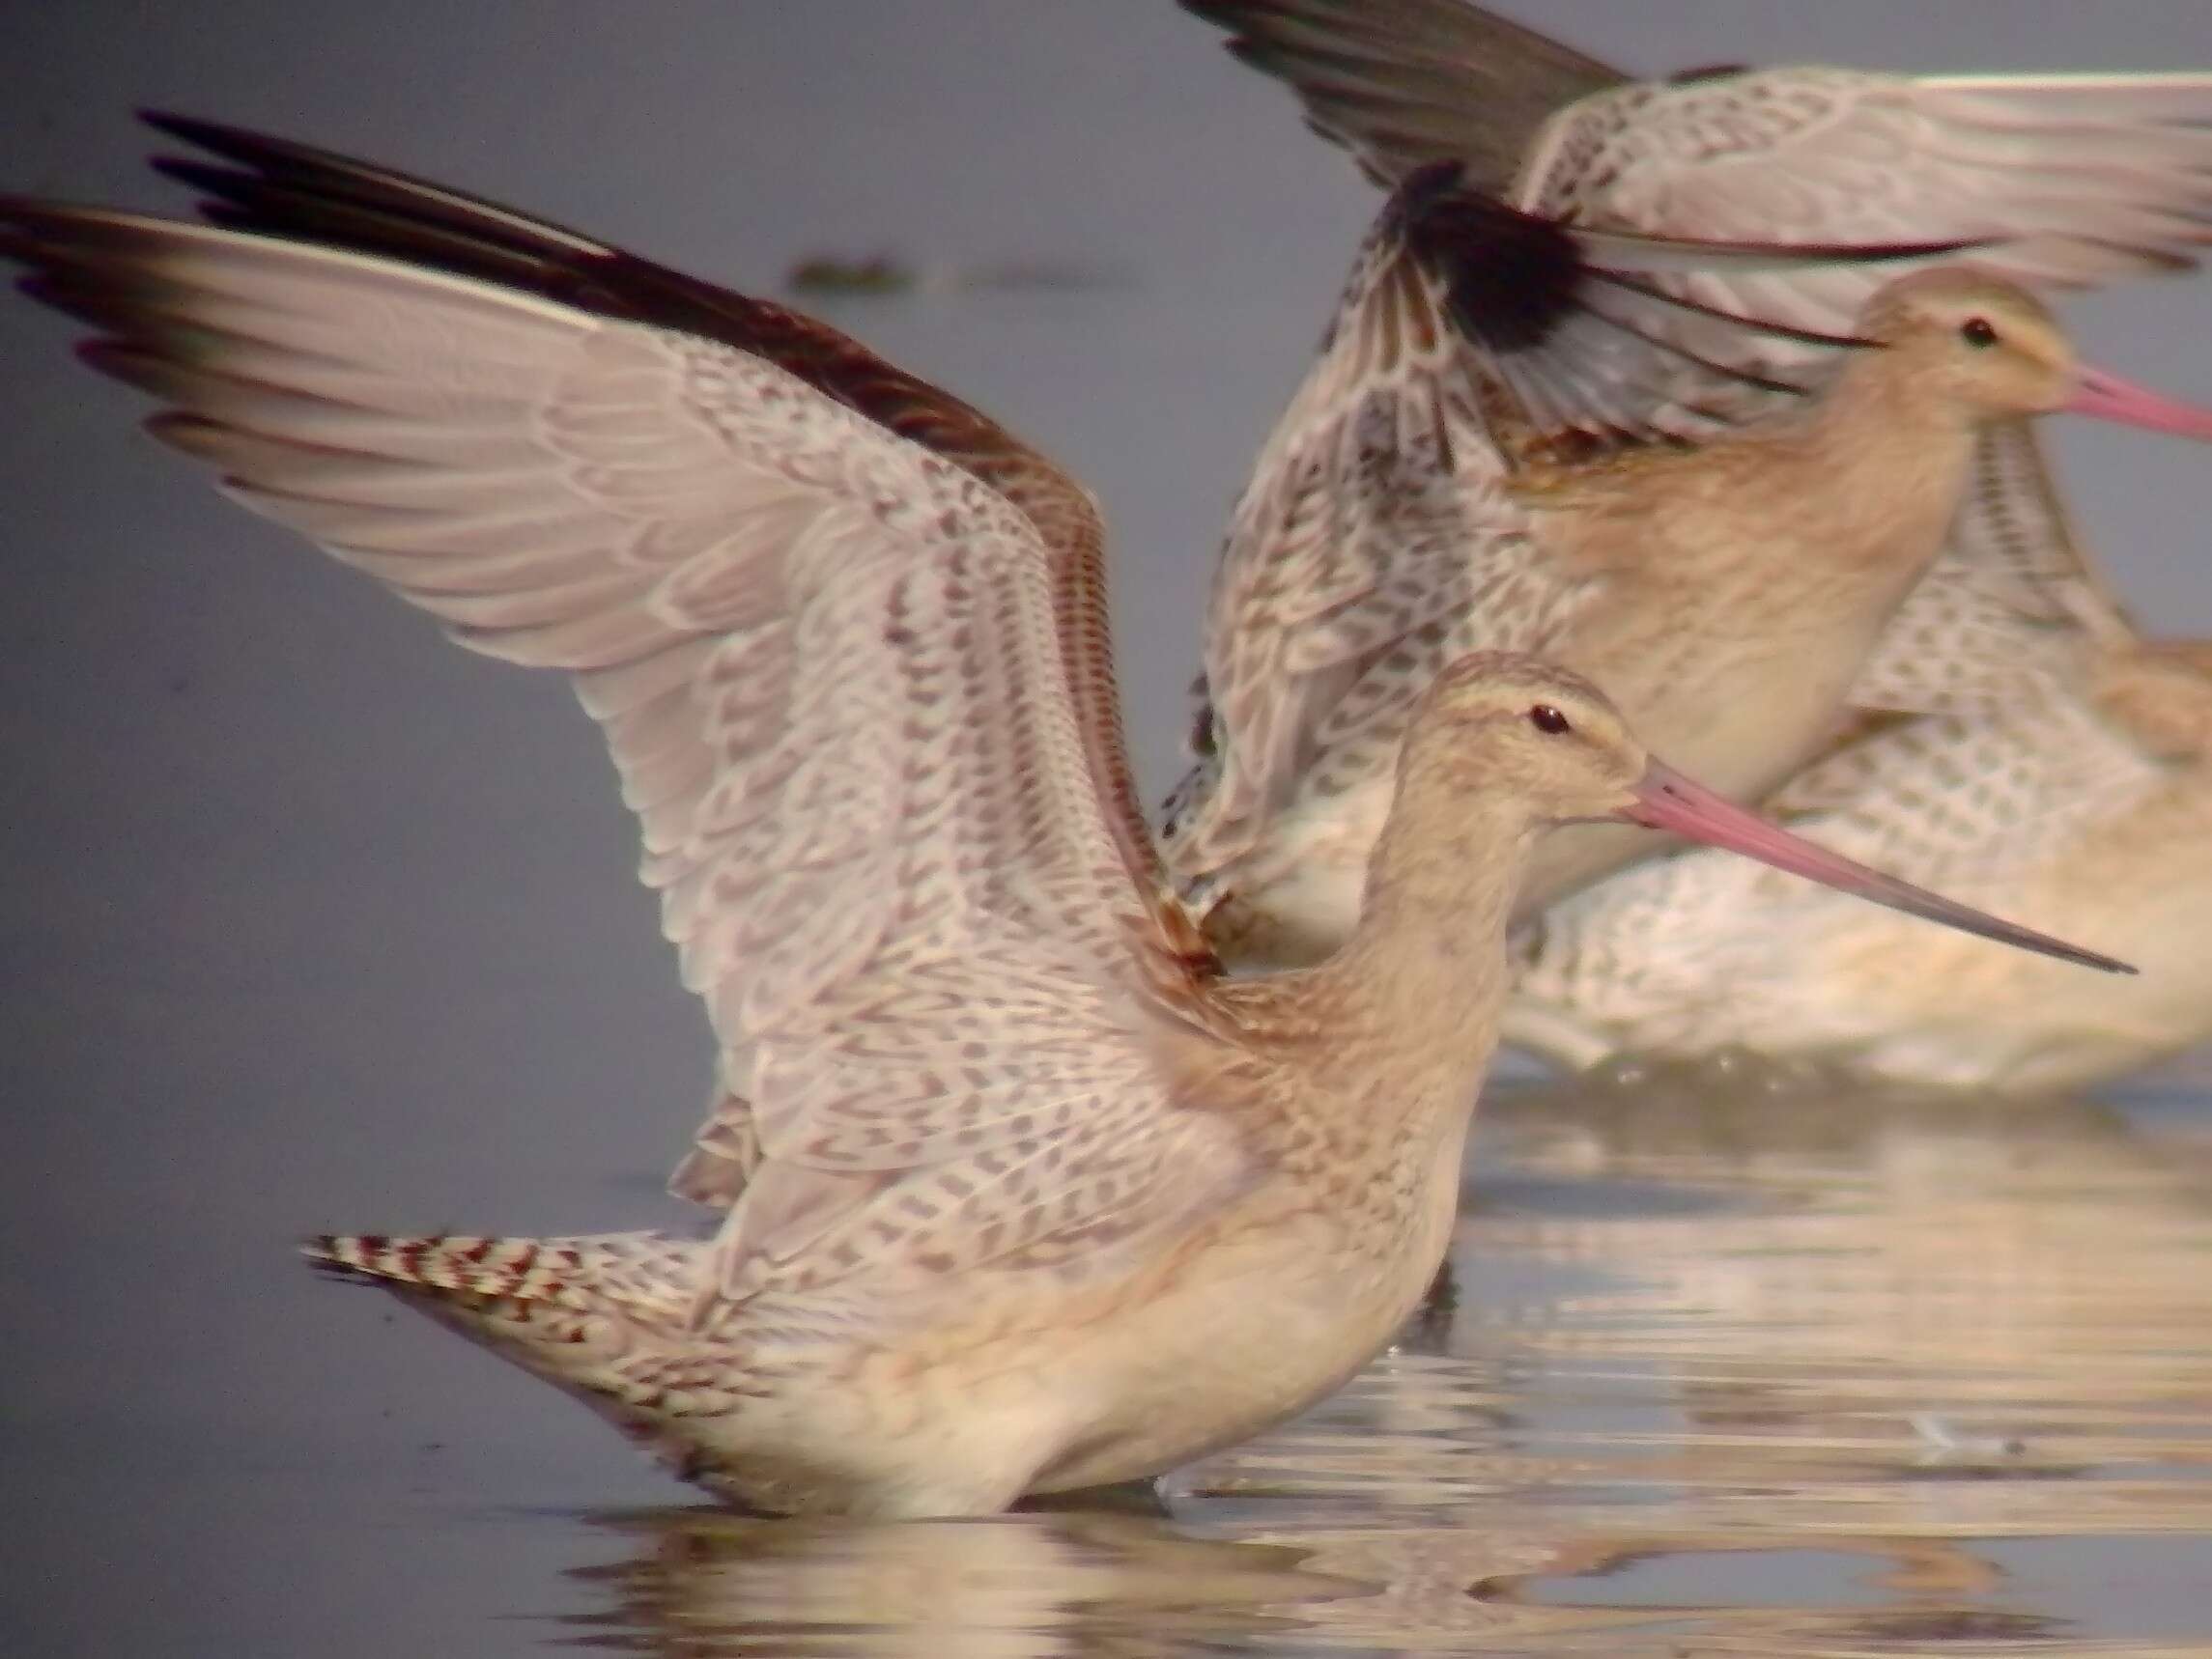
[
  {"x": 1391, "y": 522},
  {"x": 2080, "y": 793},
  {"x": 1017, "y": 1192}
]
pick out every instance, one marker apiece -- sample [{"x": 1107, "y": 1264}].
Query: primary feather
[{"x": 869, "y": 737}]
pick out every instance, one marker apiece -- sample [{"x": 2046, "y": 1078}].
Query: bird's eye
[
  {"x": 1548, "y": 719},
  {"x": 1977, "y": 332}
]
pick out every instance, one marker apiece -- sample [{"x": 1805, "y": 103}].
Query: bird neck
[
  {"x": 1881, "y": 408},
  {"x": 1425, "y": 969},
  {"x": 1878, "y": 462}
]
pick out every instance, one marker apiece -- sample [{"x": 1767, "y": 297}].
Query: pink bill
[
  {"x": 2109, "y": 397},
  {"x": 1665, "y": 799}
]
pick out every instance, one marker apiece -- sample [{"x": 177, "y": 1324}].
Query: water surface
[
  {"x": 1725, "y": 1375},
  {"x": 310, "y": 921}
]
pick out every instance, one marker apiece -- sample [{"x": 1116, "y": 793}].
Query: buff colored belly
[{"x": 1242, "y": 1346}]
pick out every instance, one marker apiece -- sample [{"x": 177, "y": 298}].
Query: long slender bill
[
  {"x": 2109, "y": 397},
  {"x": 1665, "y": 799}
]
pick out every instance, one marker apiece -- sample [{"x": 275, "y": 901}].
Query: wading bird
[
  {"x": 2083, "y": 795},
  {"x": 1017, "y": 1192},
  {"x": 1452, "y": 474}
]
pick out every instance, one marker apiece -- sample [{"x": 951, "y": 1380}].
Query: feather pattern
[
  {"x": 2013, "y": 604},
  {"x": 1396, "y": 454},
  {"x": 2082, "y": 178},
  {"x": 1379, "y": 538},
  {"x": 1402, "y": 83},
  {"x": 278, "y": 187},
  {"x": 2088, "y": 176},
  {"x": 839, "y": 633}
]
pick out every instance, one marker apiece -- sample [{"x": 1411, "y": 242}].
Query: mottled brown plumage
[{"x": 1016, "y": 1193}]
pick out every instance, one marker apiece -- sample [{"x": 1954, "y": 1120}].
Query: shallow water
[
  {"x": 311, "y": 922},
  {"x": 1747, "y": 1375},
  {"x": 1833, "y": 1377}
]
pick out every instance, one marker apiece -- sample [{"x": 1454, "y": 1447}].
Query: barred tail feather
[
  {"x": 528, "y": 1270},
  {"x": 603, "y": 1318},
  {"x": 599, "y": 1314},
  {"x": 606, "y": 1319},
  {"x": 642, "y": 1277}
]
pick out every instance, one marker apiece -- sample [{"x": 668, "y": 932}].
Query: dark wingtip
[
  {"x": 23, "y": 219},
  {"x": 233, "y": 142},
  {"x": 193, "y": 129},
  {"x": 1510, "y": 277},
  {"x": 1249, "y": 52},
  {"x": 1214, "y": 12},
  {"x": 100, "y": 354},
  {"x": 1428, "y": 182},
  {"x": 168, "y": 121},
  {"x": 196, "y": 175},
  {"x": 1706, "y": 72},
  {"x": 257, "y": 151}
]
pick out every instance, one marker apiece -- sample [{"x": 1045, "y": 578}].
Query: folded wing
[{"x": 2013, "y": 604}]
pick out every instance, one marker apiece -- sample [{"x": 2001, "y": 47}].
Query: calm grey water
[{"x": 310, "y": 921}]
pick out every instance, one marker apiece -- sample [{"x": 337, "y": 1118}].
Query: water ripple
[{"x": 1720, "y": 1376}]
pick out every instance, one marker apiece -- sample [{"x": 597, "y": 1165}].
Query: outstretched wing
[
  {"x": 275, "y": 187},
  {"x": 2064, "y": 181},
  {"x": 1376, "y": 539},
  {"x": 834, "y": 667},
  {"x": 2056, "y": 179},
  {"x": 2084, "y": 177},
  {"x": 1402, "y": 83},
  {"x": 2061, "y": 181},
  {"x": 2078, "y": 178}
]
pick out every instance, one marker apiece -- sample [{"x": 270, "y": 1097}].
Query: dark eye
[
  {"x": 1547, "y": 719},
  {"x": 1977, "y": 332}
]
